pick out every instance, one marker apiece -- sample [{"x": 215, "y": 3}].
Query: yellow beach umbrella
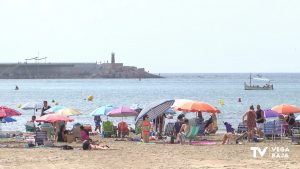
[{"x": 68, "y": 112}]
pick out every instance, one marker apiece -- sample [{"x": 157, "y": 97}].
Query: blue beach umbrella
[
  {"x": 155, "y": 109},
  {"x": 103, "y": 110},
  {"x": 8, "y": 120}
]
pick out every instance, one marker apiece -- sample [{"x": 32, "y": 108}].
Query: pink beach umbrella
[
  {"x": 122, "y": 112},
  {"x": 51, "y": 118},
  {"x": 8, "y": 112}
]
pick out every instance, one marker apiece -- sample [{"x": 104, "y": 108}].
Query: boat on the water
[{"x": 266, "y": 86}]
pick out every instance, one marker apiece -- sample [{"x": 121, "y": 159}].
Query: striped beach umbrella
[{"x": 155, "y": 109}]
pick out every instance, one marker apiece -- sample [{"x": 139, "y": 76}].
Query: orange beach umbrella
[
  {"x": 196, "y": 106},
  {"x": 286, "y": 109}
]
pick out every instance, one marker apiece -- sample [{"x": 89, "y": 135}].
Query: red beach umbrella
[{"x": 8, "y": 112}]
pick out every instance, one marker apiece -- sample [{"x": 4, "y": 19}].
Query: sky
[{"x": 163, "y": 36}]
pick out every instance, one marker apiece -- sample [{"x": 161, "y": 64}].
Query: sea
[{"x": 222, "y": 90}]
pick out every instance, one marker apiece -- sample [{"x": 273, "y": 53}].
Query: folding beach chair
[
  {"x": 296, "y": 135},
  {"x": 47, "y": 127},
  {"x": 274, "y": 129},
  {"x": 169, "y": 129},
  {"x": 108, "y": 129},
  {"x": 123, "y": 129},
  {"x": 40, "y": 137},
  {"x": 192, "y": 134},
  {"x": 242, "y": 128}
]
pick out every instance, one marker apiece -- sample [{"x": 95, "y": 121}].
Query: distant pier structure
[{"x": 43, "y": 70}]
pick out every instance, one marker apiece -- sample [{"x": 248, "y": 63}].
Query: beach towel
[{"x": 203, "y": 142}]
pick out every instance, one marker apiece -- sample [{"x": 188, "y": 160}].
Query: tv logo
[
  {"x": 274, "y": 152},
  {"x": 261, "y": 152}
]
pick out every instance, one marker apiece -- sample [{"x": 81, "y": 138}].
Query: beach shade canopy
[
  {"x": 298, "y": 118},
  {"x": 155, "y": 109},
  {"x": 8, "y": 120},
  {"x": 32, "y": 106},
  {"x": 51, "y": 118},
  {"x": 286, "y": 109},
  {"x": 122, "y": 112},
  {"x": 68, "y": 112},
  {"x": 7, "y": 112},
  {"x": 196, "y": 106},
  {"x": 270, "y": 113},
  {"x": 103, "y": 110},
  {"x": 54, "y": 109}
]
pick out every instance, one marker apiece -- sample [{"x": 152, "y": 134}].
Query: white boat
[{"x": 267, "y": 86}]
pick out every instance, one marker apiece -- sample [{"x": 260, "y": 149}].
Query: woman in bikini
[{"x": 146, "y": 129}]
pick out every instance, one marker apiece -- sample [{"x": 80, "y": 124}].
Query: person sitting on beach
[
  {"x": 211, "y": 125},
  {"x": 177, "y": 126},
  {"x": 231, "y": 135},
  {"x": 251, "y": 122},
  {"x": 84, "y": 134},
  {"x": 199, "y": 120},
  {"x": 185, "y": 128},
  {"x": 87, "y": 145},
  {"x": 291, "y": 120}
]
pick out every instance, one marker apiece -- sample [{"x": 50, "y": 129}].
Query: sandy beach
[{"x": 128, "y": 154}]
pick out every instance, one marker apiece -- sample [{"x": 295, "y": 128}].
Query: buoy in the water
[
  {"x": 221, "y": 102},
  {"x": 90, "y": 98},
  {"x": 240, "y": 100}
]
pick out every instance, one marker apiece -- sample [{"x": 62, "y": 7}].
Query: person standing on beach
[
  {"x": 45, "y": 107},
  {"x": 146, "y": 126},
  {"x": 251, "y": 122},
  {"x": 260, "y": 120},
  {"x": 97, "y": 120}
]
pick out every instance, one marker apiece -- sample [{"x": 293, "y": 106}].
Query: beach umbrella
[
  {"x": 103, "y": 110},
  {"x": 54, "y": 109},
  {"x": 32, "y": 105},
  {"x": 122, "y": 112},
  {"x": 155, "y": 109},
  {"x": 7, "y": 112},
  {"x": 196, "y": 106},
  {"x": 179, "y": 102},
  {"x": 270, "y": 113},
  {"x": 68, "y": 112},
  {"x": 286, "y": 109},
  {"x": 8, "y": 120},
  {"x": 51, "y": 118}
]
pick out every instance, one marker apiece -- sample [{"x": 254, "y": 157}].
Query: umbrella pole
[{"x": 121, "y": 130}]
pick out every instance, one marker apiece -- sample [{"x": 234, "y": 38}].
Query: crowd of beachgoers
[
  {"x": 154, "y": 133},
  {"x": 151, "y": 125}
]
